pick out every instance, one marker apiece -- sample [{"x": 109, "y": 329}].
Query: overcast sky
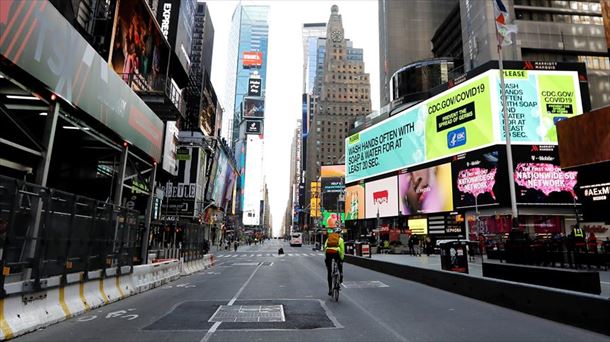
[{"x": 284, "y": 72}]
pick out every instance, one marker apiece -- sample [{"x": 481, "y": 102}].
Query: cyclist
[{"x": 334, "y": 248}]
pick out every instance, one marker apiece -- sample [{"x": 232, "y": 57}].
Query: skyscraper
[
  {"x": 405, "y": 31},
  {"x": 245, "y": 90},
  {"x": 344, "y": 94}
]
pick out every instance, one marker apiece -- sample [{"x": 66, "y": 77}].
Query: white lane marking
[
  {"x": 605, "y": 282},
  {"x": 212, "y": 330},
  {"x": 251, "y": 255},
  {"x": 259, "y": 255},
  {"x": 244, "y": 255}
]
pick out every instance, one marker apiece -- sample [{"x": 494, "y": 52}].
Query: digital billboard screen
[
  {"x": 332, "y": 219},
  {"x": 426, "y": 191},
  {"x": 594, "y": 192},
  {"x": 254, "y": 107},
  {"x": 254, "y": 126},
  {"x": 464, "y": 118},
  {"x": 382, "y": 197},
  {"x": 252, "y": 59},
  {"x": 354, "y": 202},
  {"x": 331, "y": 178},
  {"x": 254, "y": 87},
  {"x": 138, "y": 48},
  {"x": 170, "y": 164},
  {"x": 176, "y": 20},
  {"x": 538, "y": 177},
  {"x": 479, "y": 175}
]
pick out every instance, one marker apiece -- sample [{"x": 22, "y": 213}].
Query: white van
[{"x": 296, "y": 240}]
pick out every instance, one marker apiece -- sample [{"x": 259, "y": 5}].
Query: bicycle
[{"x": 336, "y": 285}]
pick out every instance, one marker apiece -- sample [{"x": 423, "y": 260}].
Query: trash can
[
  {"x": 454, "y": 256},
  {"x": 349, "y": 248},
  {"x": 365, "y": 248},
  {"x": 358, "y": 249}
]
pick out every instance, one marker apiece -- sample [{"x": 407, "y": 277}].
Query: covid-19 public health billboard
[{"x": 464, "y": 118}]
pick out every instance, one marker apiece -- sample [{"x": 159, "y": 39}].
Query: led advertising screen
[
  {"x": 331, "y": 177},
  {"x": 382, "y": 197},
  {"x": 331, "y": 219},
  {"x": 418, "y": 226},
  {"x": 169, "y": 163},
  {"x": 252, "y": 59},
  {"x": 254, "y": 87},
  {"x": 254, "y": 126},
  {"x": 176, "y": 20},
  {"x": 426, "y": 191},
  {"x": 253, "y": 181},
  {"x": 219, "y": 178},
  {"x": 464, "y": 118},
  {"x": 254, "y": 107},
  {"x": 538, "y": 177},
  {"x": 479, "y": 175},
  {"x": 354, "y": 202},
  {"x": 594, "y": 192},
  {"x": 138, "y": 49}
]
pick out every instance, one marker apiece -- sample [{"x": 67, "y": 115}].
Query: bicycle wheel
[{"x": 336, "y": 284}]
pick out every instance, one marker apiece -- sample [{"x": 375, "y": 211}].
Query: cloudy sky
[{"x": 284, "y": 72}]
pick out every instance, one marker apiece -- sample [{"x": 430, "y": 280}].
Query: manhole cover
[
  {"x": 249, "y": 313},
  {"x": 363, "y": 284}
]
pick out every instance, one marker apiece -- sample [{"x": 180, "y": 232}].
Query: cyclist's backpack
[{"x": 333, "y": 240}]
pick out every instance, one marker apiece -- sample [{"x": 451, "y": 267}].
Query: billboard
[
  {"x": 170, "y": 163},
  {"x": 254, "y": 126},
  {"x": 104, "y": 97},
  {"x": 331, "y": 177},
  {"x": 479, "y": 178},
  {"x": 354, "y": 202},
  {"x": 253, "y": 185},
  {"x": 176, "y": 20},
  {"x": 382, "y": 197},
  {"x": 594, "y": 192},
  {"x": 332, "y": 219},
  {"x": 314, "y": 203},
  {"x": 426, "y": 191},
  {"x": 254, "y": 107},
  {"x": 138, "y": 49},
  {"x": 465, "y": 118},
  {"x": 538, "y": 177},
  {"x": 254, "y": 87},
  {"x": 252, "y": 59}
]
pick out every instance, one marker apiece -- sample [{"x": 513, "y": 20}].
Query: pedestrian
[
  {"x": 428, "y": 245},
  {"x": 592, "y": 243},
  {"x": 416, "y": 245},
  {"x": 235, "y": 244}
]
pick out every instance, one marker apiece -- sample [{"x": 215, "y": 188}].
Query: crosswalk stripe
[{"x": 251, "y": 255}]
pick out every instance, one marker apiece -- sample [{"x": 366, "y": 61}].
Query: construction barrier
[{"x": 83, "y": 292}]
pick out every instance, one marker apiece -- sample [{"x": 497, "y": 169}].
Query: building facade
[
  {"x": 551, "y": 31},
  {"x": 344, "y": 95},
  {"x": 405, "y": 30}
]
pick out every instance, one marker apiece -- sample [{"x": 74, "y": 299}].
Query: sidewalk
[{"x": 474, "y": 267}]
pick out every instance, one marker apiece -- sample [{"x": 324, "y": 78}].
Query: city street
[{"x": 283, "y": 298}]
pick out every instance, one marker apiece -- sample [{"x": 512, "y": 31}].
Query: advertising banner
[
  {"x": 459, "y": 119},
  {"x": 425, "y": 191},
  {"x": 254, "y": 107},
  {"x": 383, "y": 148},
  {"x": 254, "y": 87},
  {"x": 254, "y": 126},
  {"x": 138, "y": 48},
  {"x": 315, "y": 200},
  {"x": 536, "y": 101},
  {"x": 252, "y": 59},
  {"x": 176, "y": 20},
  {"x": 382, "y": 197},
  {"x": 170, "y": 163},
  {"x": 594, "y": 192},
  {"x": 253, "y": 181},
  {"x": 331, "y": 177},
  {"x": 538, "y": 178},
  {"x": 331, "y": 219},
  {"x": 80, "y": 77},
  {"x": 418, "y": 226},
  {"x": 464, "y": 118},
  {"x": 479, "y": 175},
  {"x": 354, "y": 202}
]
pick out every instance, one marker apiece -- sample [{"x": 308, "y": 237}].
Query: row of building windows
[
  {"x": 582, "y": 5},
  {"x": 332, "y": 95},
  {"x": 595, "y": 62},
  {"x": 558, "y": 18}
]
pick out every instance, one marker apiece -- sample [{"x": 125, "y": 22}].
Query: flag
[{"x": 502, "y": 18}]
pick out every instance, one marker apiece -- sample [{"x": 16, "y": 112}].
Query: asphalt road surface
[{"x": 255, "y": 295}]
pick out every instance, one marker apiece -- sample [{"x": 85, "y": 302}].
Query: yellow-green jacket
[{"x": 341, "y": 248}]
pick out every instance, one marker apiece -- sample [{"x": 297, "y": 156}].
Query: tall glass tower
[
  {"x": 247, "y": 60},
  {"x": 249, "y": 34}
]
